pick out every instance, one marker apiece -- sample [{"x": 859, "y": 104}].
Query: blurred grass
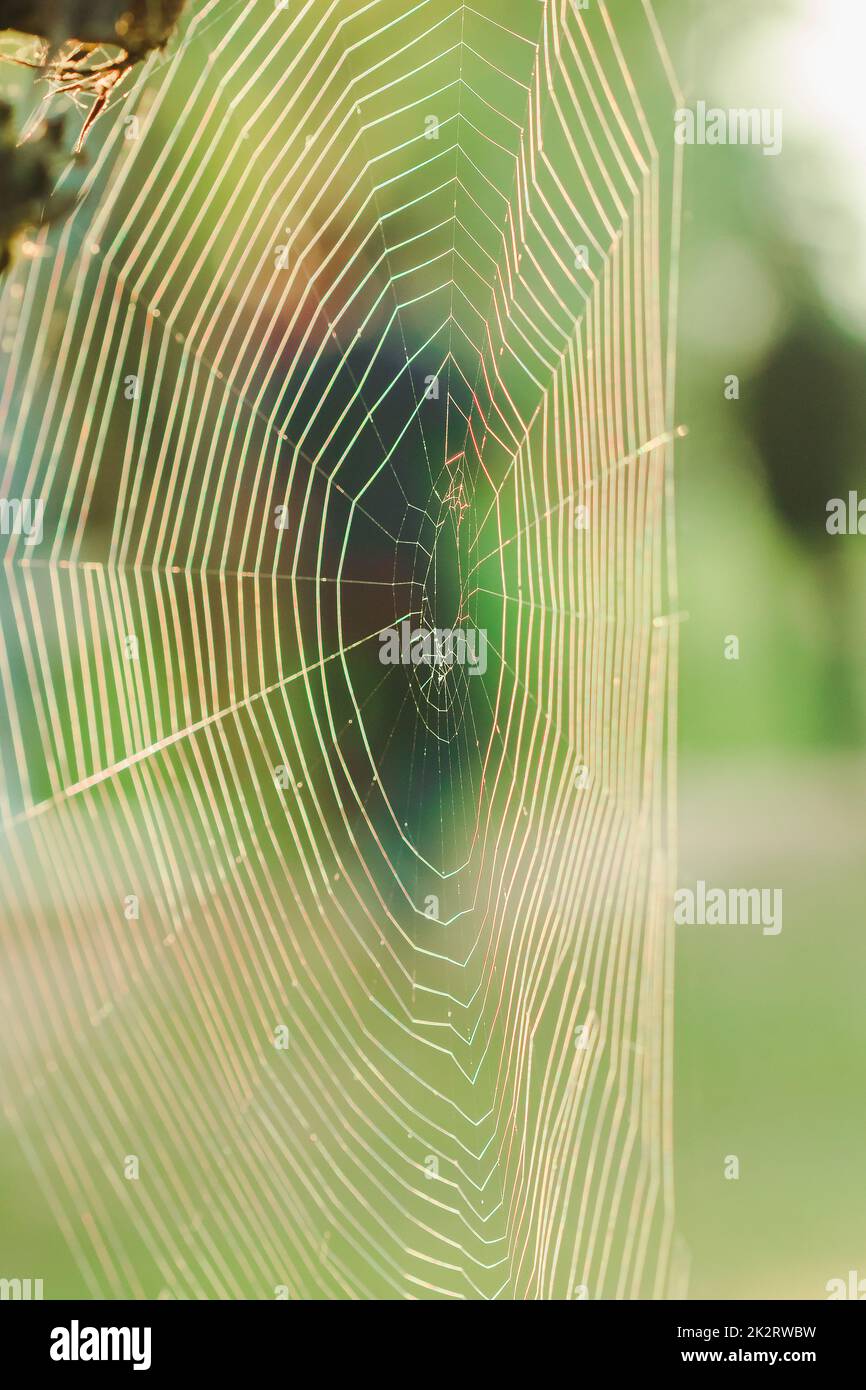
[{"x": 770, "y": 1056}]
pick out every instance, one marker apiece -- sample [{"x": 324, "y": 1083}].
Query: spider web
[{"x": 363, "y": 318}]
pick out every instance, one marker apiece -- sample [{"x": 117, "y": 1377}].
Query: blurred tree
[
  {"x": 136, "y": 26},
  {"x": 808, "y": 420},
  {"x": 28, "y": 174}
]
